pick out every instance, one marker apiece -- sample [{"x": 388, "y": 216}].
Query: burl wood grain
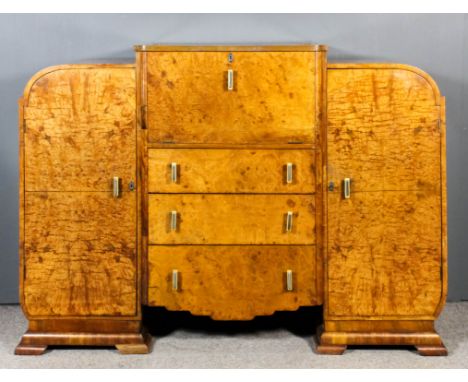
[
  {"x": 383, "y": 129},
  {"x": 80, "y": 254},
  {"x": 231, "y": 219},
  {"x": 231, "y": 171},
  {"x": 384, "y": 243},
  {"x": 273, "y": 99},
  {"x": 384, "y": 254},
  {"x": 232, "y": 282},
  {"x": 80, "y": 129}
]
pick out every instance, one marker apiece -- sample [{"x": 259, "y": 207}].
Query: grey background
[{"x": 437, "y": 44}]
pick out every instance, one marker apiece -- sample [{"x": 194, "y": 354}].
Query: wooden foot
[
  {"x": 330, "y": 349},
  {"x": 23, "y": 349},
  {"x": 136, "y": 348},
  {"x": 438, "y": 350},
  {"x": 36, "y": 343}
]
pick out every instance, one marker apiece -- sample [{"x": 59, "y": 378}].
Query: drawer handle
[
  {"x": 289, "y": 221},
  {"x": 289, "y": 173},
  {"x": 175, "y": 280},
  {"x": 116, "y": 182},
  {"x": 174, "y": 174},
  {"x": 230, "y": 79},
  {"x": 289, "y": 280},
  {"x": 173, "y": 220},
  {"x": 346, "y": 188}
]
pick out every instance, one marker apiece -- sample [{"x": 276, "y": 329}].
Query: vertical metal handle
[
  {"x": 346, "y": 188},
  {"x": 289, "y": 221},
  {"x": 289, "y": 173},
  {"x": 175, "y": 280},
  {"x": 173, "y": 220},
  {"x": 289, "y": 280},
  {"x": 230, "y": 79},
  {"x": 116, "y": 187},
  {"x": 174, "y": 174}
]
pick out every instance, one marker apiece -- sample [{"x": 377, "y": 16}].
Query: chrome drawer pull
[
  {"x": 289, "y": 173},
  {"x": 230, "y": 79},
  {"x": 175, "y": 280},
  {"x": 289, "y": 221},
  {"x": 116, "y": 187},
  {"x": 289, "y": 280},
  {"x": 173, "y": 220},
  {"x": 346, "y": 188},
  {"x": 174, "y": 174}
]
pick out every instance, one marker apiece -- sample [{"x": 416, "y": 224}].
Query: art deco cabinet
[{"x": 232, "y": 182}]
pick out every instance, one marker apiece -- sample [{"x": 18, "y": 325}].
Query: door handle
[
  {"x": 116, "y": 183},
  {"x": 289, "y": 280},
  {"x": 289, "y": 221},
  {"x": 289, "y": 173},
  {"x": 174, "y": 172},
  {"x": 230, "y": 79},
  {"x": 173, "y": 216},
  {"x": 175, "y": 280},
  {"x": 346, "y": 188}
]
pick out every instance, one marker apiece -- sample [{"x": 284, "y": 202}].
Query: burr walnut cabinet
[{"x": 232, "y": 182}]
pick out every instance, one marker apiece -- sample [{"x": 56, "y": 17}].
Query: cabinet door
[
  {"x": 272, "y": 99},
  {"x": 79, "y": 241},
  {"x": 385, "y": 254}
]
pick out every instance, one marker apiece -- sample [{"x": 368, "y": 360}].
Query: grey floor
[{"x": 284, "y": 340}]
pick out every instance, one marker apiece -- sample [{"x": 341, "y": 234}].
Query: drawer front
[
  {"x": 272, "y": 98},
  {"x": 231, "y": 171},
  {"x": 232, "y": 282},
  {"x": 231, "y": 219}
]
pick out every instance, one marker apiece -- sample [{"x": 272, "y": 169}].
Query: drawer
[
  {"x": 232, "y": 282},
  {"x": 231, "y": 219},
  {"x": 272, "y": 98},
  {"x": 231, "y": 171}
]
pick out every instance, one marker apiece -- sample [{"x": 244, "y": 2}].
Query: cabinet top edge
[{"x": 231, "y": 48}]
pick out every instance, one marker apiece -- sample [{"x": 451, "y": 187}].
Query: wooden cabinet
[
  {"x": 232, "y": 182},
  {"x": 386, "y": 247}
]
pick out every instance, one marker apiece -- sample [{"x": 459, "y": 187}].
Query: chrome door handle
[
  {"x": 346, "y": 188},
  {"x": 230, "y": 79},
  {"x": 289, "y": 221},
  {"x": 116, "y": 187},
  {"x": 289, "y": 173},
  {"x": 173, "y": 220},
  {"x": 174, "y": 174},
  {"x": 289, "y": 280},
  {"x": 175, "y": 280}
]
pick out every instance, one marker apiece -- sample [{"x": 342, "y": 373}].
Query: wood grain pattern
[
  {"x": 383, "y": 129},
  {"x": 426, "y": 343},
  {"x": 384, "y": 244},
  {"x": 36, "y": 343},
  {"x": 383, "y": 255},
  {"x": 80, "y": 257},
  {"x": 231, "y": 219},
  {"x": 273, "y": 98},
  {"x": 80, "y": 129},
  {"x": 232, "y": 282},
  {"x": 80, "y": 254},
  {"x": 231, "y": 171}
]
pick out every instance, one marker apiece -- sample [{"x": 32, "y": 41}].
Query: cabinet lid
[{"x": 231, "y": 48}]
